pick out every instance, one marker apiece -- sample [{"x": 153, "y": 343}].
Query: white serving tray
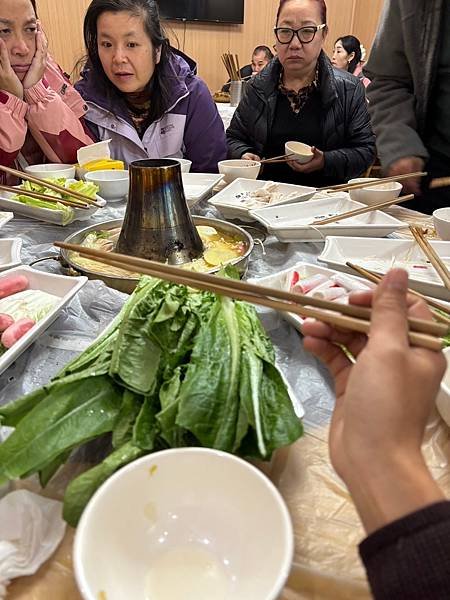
[
  {"x": 45, "y": 214},
  {"x": 393, "y": 253},
  {"x": 10, "y": 253},
  {"x": 282, "y": 281},
  {"x": 292, "y": 222},
  {"x": 233, "y": 201},
  {"x": 58, "y": 285},
  {"x": 5, "y": 217},
  {"x": 198, "y": 185}
]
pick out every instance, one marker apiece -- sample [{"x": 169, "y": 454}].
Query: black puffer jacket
[{"x": 349, "y": 141}]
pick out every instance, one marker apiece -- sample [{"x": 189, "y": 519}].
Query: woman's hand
[
  {"x": 317, "y": 163},
  {"x": 39, "y": 62},
  {"x": 250, "y": 156},
  {"x": 9, "y": 82},
  {"x": 382, "y": 404}
]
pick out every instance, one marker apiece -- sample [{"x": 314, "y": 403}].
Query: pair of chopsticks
[
  {"x": 51, "y": 186},
  {"x": 38, "y": 196},
  {"x": 362, "y": 211},
  {"x": 422, "y": 333},
  {"x": 344, "y": 187},
  {"x": 431, "y": 254},
  {"x": 278, "y": 159},
  {"x": 231, "y": 63},
  {"x": 433, "y": 305}
]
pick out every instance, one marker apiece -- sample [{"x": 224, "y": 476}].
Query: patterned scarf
[
  {"x": 298, "y": 99},
  {"x": 138, "y": 104}
]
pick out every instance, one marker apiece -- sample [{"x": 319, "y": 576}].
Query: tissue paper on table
[{"x": 31, "y": 528}]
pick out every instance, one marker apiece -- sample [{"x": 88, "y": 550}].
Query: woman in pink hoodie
[{"x": 41, "y": 114}]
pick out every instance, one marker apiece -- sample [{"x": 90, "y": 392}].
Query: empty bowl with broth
[
  {"x": 185, "y": 164},
  {"x": 113, "y": 184},
  {"x": 303, "y": 153},
  {"x": 232, "y": 169},
  {"x": 185, "y": 523},
  {"x": 443, "y": 398},
  {"x": 51, "y": 171},
  {"x": 374, "y": 194},
  {"x": 441, "y": 218}
]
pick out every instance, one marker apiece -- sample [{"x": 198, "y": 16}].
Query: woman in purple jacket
[{"x": 142, "y": 94}]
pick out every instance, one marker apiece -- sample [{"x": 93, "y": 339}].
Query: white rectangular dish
[
  {"x": 381, "y": 255},
  {"x": 198, "y": 185},
  {"x": 58, "y": 285},
  {"x": 46, "y": 214},
  {"x": 292, "y": 222},
  {"x": 5, "y": 217},
  {"x": 238, "y": 199},
  {"x": 10, "y": 253},
  {"x": 282, "y": 281}
]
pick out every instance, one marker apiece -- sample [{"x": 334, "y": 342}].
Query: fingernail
[{"x": 396, "y": 279}]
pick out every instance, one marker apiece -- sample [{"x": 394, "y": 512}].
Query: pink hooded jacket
[{"x": 47, "y": 125}]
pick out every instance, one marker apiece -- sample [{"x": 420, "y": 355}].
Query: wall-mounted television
[{"x": 219, "y": 11}]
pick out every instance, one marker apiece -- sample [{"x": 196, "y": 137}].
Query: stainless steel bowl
[{"x": 127, "y": 284}]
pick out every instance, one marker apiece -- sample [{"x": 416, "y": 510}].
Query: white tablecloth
[{"x": 226, "y": 113}]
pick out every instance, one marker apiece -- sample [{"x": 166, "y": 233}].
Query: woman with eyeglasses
[{"x": 300, "y": 97}]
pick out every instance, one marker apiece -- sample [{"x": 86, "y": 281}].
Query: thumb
[{"x": 390, "y": 308}]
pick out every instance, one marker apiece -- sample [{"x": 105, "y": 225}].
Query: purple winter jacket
[{"x": 191, "y": 128}]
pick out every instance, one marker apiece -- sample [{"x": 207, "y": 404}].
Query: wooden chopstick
[
  {"x": 276, "y": 159},
  {"x": 364, "y": 210},
  {"x": 49, "y": 185},
  {"x": 432, "y": 255},
  {"x": 356, "y": 186},
  {"x": 21, "y": 192},
  {"x": 439, "y": 182},
  {"x": 434, "y": 306},
  {"x": 296, "y": 303}
]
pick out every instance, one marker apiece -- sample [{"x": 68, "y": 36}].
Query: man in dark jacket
[
  {"x": 348, "y": 143},
  {"x": 261, "y": 57},
  {"x": 409, "y": 95}
]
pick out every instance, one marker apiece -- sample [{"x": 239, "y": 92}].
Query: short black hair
[
  {"x": 147, "y": 10},
  {"x": 351, "y": 44},
  {"x": 267, "y": 51}
]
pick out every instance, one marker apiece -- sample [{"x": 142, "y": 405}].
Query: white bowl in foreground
[
  {"x": 232, "y": 169},
  {"x": 443, "y": 397},
  {"x": 184, "y": 523},
  {"x": 441, "y": 218},
  {"x": 375, "y": 194},
  {"x": 51, "y": 170},
  {"x": 113, "y": 184},
  {"x": 303, "y": 152}
]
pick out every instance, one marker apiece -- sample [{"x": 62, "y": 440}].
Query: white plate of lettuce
[{"x": 55, "y": 213}]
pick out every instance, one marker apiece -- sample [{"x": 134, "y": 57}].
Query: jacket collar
[{"x": 266, "y": 83}]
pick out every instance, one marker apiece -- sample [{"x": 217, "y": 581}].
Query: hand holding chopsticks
[
  {"x": 362, "y": 211},
  {"x": 422, "y": 333}
]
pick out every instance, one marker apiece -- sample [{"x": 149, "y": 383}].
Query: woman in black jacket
[{"x": 299, "y": 96}]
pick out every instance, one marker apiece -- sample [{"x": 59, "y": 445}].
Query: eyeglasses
[{"x": 305, "y": 35}]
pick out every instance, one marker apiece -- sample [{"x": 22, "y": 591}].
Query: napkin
[
  {"x": 31, "y": 528},
  {"x": 97, "y": 151}
]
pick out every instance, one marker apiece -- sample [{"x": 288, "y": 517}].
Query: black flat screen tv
[{"x": 220, "y": 11}]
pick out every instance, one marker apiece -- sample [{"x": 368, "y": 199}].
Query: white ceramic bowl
[
  {"x": 373, "y": 195},
  {"x": 232, "y": 169},
  {"x": 303, "y": 152},
  {"x": 113, "y": 184},
  {"x": 195, "y": 522},
  {"x": 51, "y": 170},
  {"x": 441, "y": 218},
  {"x": 443, "y": 398},
  {"x": 185, "y": 164}
]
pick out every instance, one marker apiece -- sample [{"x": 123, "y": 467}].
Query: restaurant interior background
[{"x": 205, "y": 42}]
